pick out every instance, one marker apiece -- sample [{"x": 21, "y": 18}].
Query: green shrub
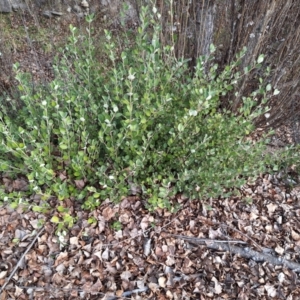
[{"x": 138, "y": 116}]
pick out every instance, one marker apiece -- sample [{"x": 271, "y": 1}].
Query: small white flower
[
  {"x": 44, "y": 103},
  {"x": 61, "y": 238},
  {"x": 131, "y": 77},
  {"x": 267, "y": 115},
  {"x": 82, "y": 119},
  {"x": 154, "y": 10}
]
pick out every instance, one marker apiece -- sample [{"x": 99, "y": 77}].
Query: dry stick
[
  {"x": 243, "y": 234},
  {"x": 21, "y": 259},
  {"x": 192, "y": 239},
  {"x": 243, "y": 252},
  {"x": 109, "y": 297},
  {"x": 240, "y": 232}
]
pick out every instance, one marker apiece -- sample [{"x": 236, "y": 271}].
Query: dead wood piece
[
  {"x": 20, "y": 260},
  {"x": 243, "y": 252}
]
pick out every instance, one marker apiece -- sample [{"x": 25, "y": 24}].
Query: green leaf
[
  {"x": 92, "y": 220},
  {"x": 96, "y": 195},
  {"x": 212, "y": 48},
  {"x": 37, "y": 208},
  {"x": 13, "y": 205},
  {"x": 276, "y": 92},
  {"x": 260, "y": 59},
  {"x": 247, "y": 69},
  {"x": 60, "y": 208},
  {"x": 163, "y": 192},
  {"x": 180, "y": 127},
  {"x": 193, "y": 112},
  {"x": 55, "y": 219}
]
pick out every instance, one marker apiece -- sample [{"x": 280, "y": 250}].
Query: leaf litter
[{"x": 238, "y": 249}]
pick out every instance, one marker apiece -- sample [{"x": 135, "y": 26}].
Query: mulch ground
[{"x": 190, "y": 254}]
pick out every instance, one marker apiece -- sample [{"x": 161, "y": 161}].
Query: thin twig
[
  {"x": 21, "y": 259},
  {"x": 198, "y": 240},
  {"x": 243, "y": 234},
  {"x": 125, "y": 295},
  {"x": 236, "y": 230}
]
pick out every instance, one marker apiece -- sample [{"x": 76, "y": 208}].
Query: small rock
[
  {"x": 84, "y": 4},
  {"x": 77, "y": 9},
  {"x": 47, "y": 14},
  {"x": 80, "y": 15},
  {"x": 56, "y": 13}
]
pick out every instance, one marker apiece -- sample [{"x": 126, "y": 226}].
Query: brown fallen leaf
[
  {"x": 108, "y": 213},
  {"x": 96, "y": 287},
  {"x": 80, "y": 184},
  {"x": 20, "y": 184},
  {"x": 62, "y": 256}
]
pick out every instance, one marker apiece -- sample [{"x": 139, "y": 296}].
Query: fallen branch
[
  {"x": 243, "y": 252},
  {"x": 20, "y": 260},
  {"x": 125, "y": 295}
]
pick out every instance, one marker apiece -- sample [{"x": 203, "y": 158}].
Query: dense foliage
[{"x": 138, "y": 118}]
